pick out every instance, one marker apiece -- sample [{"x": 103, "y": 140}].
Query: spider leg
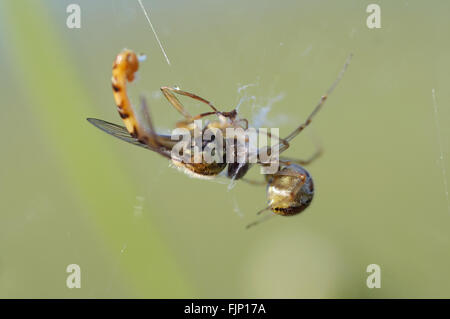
[
  {"x": 318, "y": 106},
  {"x": 253, "y": 182},
  {"x": 245, "y": 121},
  {"x": 270, "y": 150},
  {"x": 302, "y": 162},
  {"x": 283, "y": 140},
  {"x": 263, "y": 219}
]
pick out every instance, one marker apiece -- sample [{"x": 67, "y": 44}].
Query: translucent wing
[{"x": 121, "y": 133}]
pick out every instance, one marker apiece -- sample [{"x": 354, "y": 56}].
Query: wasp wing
[{"x": 121, "y": 133}]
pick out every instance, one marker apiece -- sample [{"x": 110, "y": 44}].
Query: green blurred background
[{"x": 71, "y": 194}]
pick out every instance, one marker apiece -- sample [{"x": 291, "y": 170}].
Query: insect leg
[
  {"x": 253, "y": 182},
  {"x": 124, "y": 67},
  {"x": 168, "y": 93},
  {"x": 307, "y": 161},
  {"x": 152, "y": 138},
  {"x": 318, "y": 106},
  {"x": 263, "y": 219}
]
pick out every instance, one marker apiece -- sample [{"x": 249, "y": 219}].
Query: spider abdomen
[{"x": 290, "y": 191}]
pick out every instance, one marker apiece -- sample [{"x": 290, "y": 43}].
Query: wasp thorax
[{"x": 290, "y": 190}]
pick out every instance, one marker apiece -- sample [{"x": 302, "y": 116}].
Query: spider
[{"x": 290, "y": 189}]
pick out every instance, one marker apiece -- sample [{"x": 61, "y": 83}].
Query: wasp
[{"x": 290, "y": 189}]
